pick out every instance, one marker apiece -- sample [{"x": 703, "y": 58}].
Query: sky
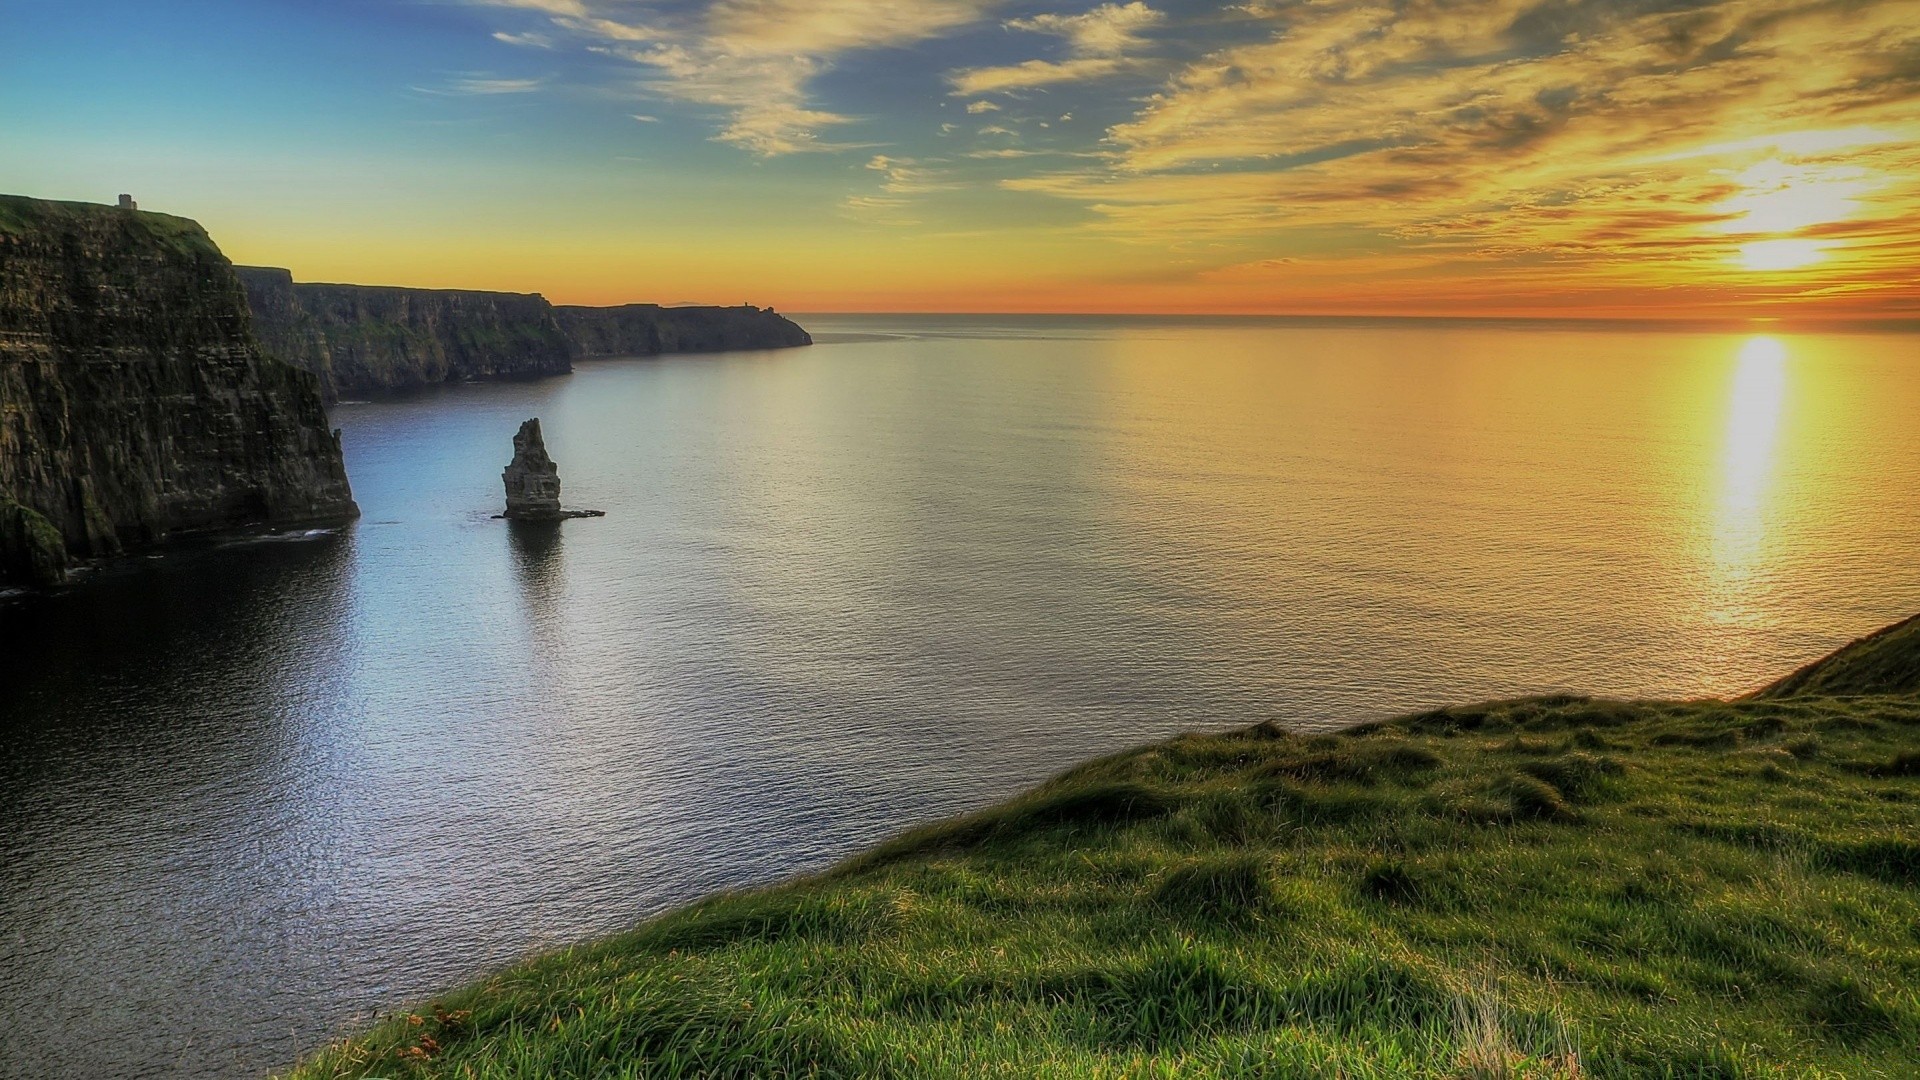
[{"x": 1635, "y": 158}]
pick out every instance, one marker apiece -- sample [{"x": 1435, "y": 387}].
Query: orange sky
[{"x": 1739, "y": 158}]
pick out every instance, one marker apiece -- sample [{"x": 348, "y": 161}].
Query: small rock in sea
[{"x": 533, "y": 481}]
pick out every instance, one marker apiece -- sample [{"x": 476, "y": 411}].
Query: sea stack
[{"x": 533, "y": 480}]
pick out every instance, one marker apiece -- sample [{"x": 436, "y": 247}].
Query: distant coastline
[
  {"x": 371, "y": 339},
  {"x": 1756, "y": 325}
]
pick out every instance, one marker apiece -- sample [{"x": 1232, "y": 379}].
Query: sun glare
[
  {"x": 1782, "y": 198},
  {"x": 1782, "y": 254}
]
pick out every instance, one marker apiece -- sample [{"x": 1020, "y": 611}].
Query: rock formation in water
[
  {"x": 134, "y": 402},
  {"x": 368, "y": 339},
  {"x": 649, "y": 329},
  {"x": 533, "y": 480}
]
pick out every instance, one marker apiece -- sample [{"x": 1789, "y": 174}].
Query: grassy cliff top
[
  {"x": 22, "y": 217},
  {"x": 1884, "y": 662},
  {"x": 1551, "y": 887}
]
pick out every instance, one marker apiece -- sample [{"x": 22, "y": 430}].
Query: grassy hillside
[
  {"x": 1886, "y": 662},
  {"x": 1550, "y": 888}
]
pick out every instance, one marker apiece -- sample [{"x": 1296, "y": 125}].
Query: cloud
[
  {"x": 878, "y": 210},
  {"x": 1634, "y": 138},
  {"x": 1099, "y": 40},
  {"x": 1506, "y": 143},
  {"x": 1031, "y": 74},
  {"x": 906, "y": 176},
  {"x": 754, "y": 60},
  {"x": 482, "y": 86},
  {"x": 528, "y": 40},
  {"x": 1108, "y": 30}
]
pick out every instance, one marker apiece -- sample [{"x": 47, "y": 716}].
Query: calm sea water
[{"x": 253, "y": 793}]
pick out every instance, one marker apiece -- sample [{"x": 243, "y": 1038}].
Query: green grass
[
  {"x": 1549, "y": 888},
  {"x": 24, "y": 217},
  {"x": 1880, "y": 663}
]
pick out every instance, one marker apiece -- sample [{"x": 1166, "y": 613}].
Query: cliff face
[
  {"x": 371, "y": 339},
  {"x": 649, "y": 329},
  {"x": 134, "y": 402},
  {"x": 360, "y": 338}
]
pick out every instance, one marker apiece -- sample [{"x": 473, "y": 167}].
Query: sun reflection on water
[{"x": 1756, "y": 403}]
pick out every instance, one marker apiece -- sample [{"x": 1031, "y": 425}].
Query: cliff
[
  {"x": 370, "y": 339},
  {"x": 649, "y": 329},
  {"x": 134, "y": 402},
  {"x": 362, "y": 338}
]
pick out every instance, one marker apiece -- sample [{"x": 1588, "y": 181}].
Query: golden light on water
[{"x": 1756, "y": 402}]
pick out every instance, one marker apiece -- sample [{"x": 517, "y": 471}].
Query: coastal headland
[{"x": 135, "y": 404}]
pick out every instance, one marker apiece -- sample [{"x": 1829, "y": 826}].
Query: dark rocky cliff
[
  {"x": 649, "y": 329},
  {"x": 364, "y": 338},
  {"x": 134, "y": 402},
  {"x": 370, "y": 339}
]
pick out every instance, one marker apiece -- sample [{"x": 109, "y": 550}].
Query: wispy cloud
[
  {"x": 1031, "y": 74},
  {"x": 1099, "y": 40},
  {"x": 755, "y": 60},
  {"x": 527, "y": 40},
  {"x": 906, "y": 176},
  {"x": 1108, "y": 30},
  {"x": 482, "y": 85}
]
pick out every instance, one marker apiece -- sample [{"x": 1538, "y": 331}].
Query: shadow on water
[{"x": 156, "y": 805}]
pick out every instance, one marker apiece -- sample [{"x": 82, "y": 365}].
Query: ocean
[{"x": 256, "y": 790}]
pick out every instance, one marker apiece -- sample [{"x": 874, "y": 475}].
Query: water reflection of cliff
[{"x": 158, "y": 730}]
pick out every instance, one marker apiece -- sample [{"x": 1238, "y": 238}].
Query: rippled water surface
[{"x": 254, "y": 792}]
